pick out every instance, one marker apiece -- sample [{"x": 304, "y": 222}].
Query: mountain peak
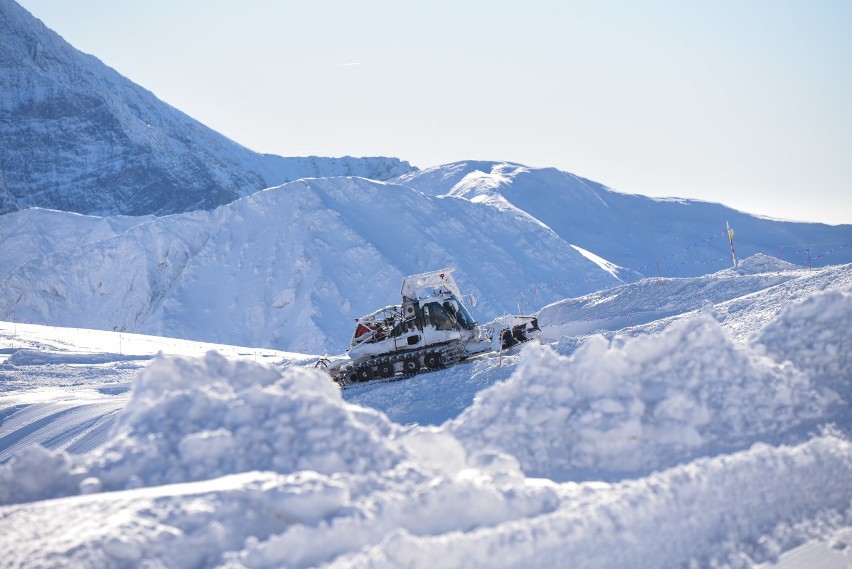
[{"x": 78, "y": 136}]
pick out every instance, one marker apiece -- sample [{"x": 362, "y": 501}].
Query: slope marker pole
[{"x": 731, "y": 239}]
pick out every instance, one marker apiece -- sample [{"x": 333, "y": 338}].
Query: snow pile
[
  {"x": 712, "y": 512},
  {"x": 815, "y": 335},
  {"x": 731, "y": 511},
  {"x": 760, "y": 263},
  {"x": 638, "y": 405},
  {"x": 195, "y": 419},
  {"x": 266, "y": 520}
]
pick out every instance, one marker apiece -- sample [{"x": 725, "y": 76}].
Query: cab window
[{"x": 439, "y": 317}]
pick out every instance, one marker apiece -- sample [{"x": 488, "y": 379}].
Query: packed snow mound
[
  {"x": 637, "y": 405},
  {"x": 815, "y": 336},
  {"x": 760, "y": 263},
  {"x": 195, "y": 419}
]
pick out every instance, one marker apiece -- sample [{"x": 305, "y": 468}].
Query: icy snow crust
[{"x": 679, "y": 447}]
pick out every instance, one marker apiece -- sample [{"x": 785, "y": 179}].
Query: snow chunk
[
  {"x": 206, "y": 445},
  {"x": 193, "y": 419},
  {"x": 637, "y": 405},
  {"x": 305, "y": 497},
  {"x": 37, "y": 474},
  {"x": 437, "y": 448},
  {"x": 197, "y": 419}
]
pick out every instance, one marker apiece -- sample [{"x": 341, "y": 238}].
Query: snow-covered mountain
[
  {"x": 289, "y": 267},
  {"x": 77, "y": 136},
  {"x": 664, "y": 237}
]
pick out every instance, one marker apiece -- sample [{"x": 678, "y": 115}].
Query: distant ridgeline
[{"x": 77, "y": 136}]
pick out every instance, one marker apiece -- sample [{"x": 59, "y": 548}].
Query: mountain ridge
[
  {"x": 630, "y": 229},
  {"x": 81, "y": 137}
]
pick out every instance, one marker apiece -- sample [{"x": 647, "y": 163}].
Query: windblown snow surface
[{"x": 715, "y": 433}]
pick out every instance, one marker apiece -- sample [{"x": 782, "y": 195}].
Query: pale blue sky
[{"x": 747, "y": 102}]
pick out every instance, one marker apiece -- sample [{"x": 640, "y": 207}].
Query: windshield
[{"x": 457, "y": 309}]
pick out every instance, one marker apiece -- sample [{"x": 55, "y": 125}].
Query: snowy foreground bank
[{"x": 677, "y": 448}]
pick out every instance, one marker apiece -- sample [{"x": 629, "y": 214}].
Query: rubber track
[{"x": 451, "y": 354}]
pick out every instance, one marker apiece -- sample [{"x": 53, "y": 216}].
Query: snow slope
[
  {"x": 33, "y": 233},
  {"x": 63, "y": 387},
  {"x": 742, "y": 299},
  {"x": 682, "y": 446},
  {"x": 286, "y": 268},
  {"x": 77, "y": 136}
]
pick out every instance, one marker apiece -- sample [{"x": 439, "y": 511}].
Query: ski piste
[{"x": 432, "y": 329}]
